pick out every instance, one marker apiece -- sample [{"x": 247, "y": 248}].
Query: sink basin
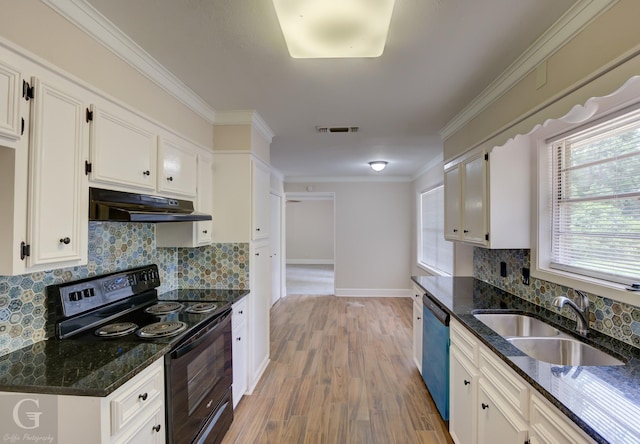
[
  {"x": 563, "y": 351},
  {"x": 506, "y": 324}
]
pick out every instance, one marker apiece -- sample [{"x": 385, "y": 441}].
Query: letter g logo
[{"x": 34, "y": 417}]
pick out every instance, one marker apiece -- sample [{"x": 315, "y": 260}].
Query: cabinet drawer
[
  {"x": 416, "y": 294},
  {"x": 464, "y": 341},
  {"x": 514, "y": 390},
  {"x": 548, "y": 425},
  {"x": 239, "y": 312},
  {"x": 150, "y": 429},
  {"x": 145, "y": 388}
]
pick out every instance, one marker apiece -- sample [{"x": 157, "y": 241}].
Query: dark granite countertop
[
  {"x": 602, "y": 401},
  {"x": 95, "y": 368}
]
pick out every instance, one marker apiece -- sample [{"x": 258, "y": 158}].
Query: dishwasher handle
[{"x": 442, "y": 315}]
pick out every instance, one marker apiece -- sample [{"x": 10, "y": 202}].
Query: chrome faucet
[{"x": 581, "y": 309}]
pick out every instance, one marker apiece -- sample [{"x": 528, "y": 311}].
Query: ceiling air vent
[{"x": 336, "y": 129}]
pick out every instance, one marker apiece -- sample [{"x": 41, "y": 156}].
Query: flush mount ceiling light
[
  {"x": 334, "y": 28},
  {"x": 378, "y": 165}
]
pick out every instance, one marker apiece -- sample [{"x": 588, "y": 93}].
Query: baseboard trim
[
  {"x": 259, "y": 374},
  {"x": 373, "y": 292}
]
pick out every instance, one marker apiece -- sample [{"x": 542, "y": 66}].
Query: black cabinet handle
[
  {"x": 257, "y": 254},
  {"x": 465, "y": 231},
  {"x": 238, "y": 339},
  {"x": 205, "y": 231},
  {"x": 257, "y": 229},
  {"x": 170, "y": 178},
  {"x": 455, "y": 230},
  {"x": 65, "y": 240},
  {"x": 484, "y": 406},
  {"x": 467, "y": 382},
  {"x": 146, "y": 173},
  {"x": 156, "y": 428},
  {"x": 143, "y": 396},
  {"x": 418, "y": 318},
  {"x": 241, "y": 311}
]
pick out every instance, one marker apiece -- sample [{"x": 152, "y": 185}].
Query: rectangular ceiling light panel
[{"x": 334, "y": 28}]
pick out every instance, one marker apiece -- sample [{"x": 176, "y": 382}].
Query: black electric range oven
[{"x": 125, "y": 306}]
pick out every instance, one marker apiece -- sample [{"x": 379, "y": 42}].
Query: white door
[{"x": 276, "y": 250}]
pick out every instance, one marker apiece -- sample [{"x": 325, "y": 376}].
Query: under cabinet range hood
[{"x": 118, "y": 206}]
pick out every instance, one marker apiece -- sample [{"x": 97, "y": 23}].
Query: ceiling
[{"x": 440, "y": 54}]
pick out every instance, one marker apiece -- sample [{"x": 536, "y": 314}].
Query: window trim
[
  {"x": 426, "y": 267},
  {"x": 541, "y": 211}
]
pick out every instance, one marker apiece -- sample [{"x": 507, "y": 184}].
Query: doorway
[{"x": 310, "y": 243}]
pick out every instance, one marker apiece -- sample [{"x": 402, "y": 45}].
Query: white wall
[
  {"x": 372, "y": 223},
  {"x": 310, "y": 233}
]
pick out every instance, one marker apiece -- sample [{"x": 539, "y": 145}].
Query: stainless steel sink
[
  {"x": 563, "y": 351},
  {"x": 507, "y": 325}
]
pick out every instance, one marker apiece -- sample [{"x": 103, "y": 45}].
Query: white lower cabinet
[
  {"x": 498, "y": 423},
  {"x": 417, "y": 329},
  {"x": 490, "y": 403},
  {"x": 548, "y": 426},
  {"x": 239, "y": 349},
  {"x": 463, "y": 383},
  {"x": 134, "y": 413}
]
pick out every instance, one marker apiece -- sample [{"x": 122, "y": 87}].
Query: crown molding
[
  {"x": 245, "y": 117},
  {"x": 92, "y": 22},
  {"x": 578, "y": 17}
]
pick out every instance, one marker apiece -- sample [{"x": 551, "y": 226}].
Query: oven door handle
[{"x": 190, "y": 345}]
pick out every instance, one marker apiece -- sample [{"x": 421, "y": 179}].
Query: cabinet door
[
  {"x": 474, "y": 216},
  {"x": 497, "y": 423},
  {"x": 260, "y": 200},
  {"x": 123, "y": 149},
  {"x": 149, "y": 431},
  {"x": 463, "y": 385},
  {"x": 259, "y": 306},
  {"x": 417, "y": 333},
  {"x": 548, "y": 426},
  {"x": 204, "y": 201},
  {"x": 239, "y": 352},
  {"x": 58, "y": 189},
  {"x": 9, "y": 102},
  {"x": 177, "y": 166},
  {"x": 452, "y": 213}
]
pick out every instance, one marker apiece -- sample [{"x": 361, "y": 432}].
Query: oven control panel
[{"x": 79, "y": 296}]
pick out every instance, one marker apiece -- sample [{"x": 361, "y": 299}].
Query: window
[
  {"x": 434, "y": 253},
  {"x": 595, "y": 200}
]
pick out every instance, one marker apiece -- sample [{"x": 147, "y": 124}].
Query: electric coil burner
[
  {"x": 161, "y": 329},
  {"x": 163, "y": 308},
  {"x": 116, "y": 330},
  {"x": 125, "y": 307}
]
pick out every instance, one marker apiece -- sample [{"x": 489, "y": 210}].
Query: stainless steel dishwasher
[{"x": 435, "y": 353}]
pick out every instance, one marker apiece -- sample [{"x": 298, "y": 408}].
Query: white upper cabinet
[
  {"x": 261, "y": 200},
  {"x": 204, "y": 201},
  {"x": 487, "y": 196},
  {"x": 193, "y": 234},
  {"x": 10, "y": 94},
  {"x": 58, "y": 187},
  {"x": 123, "y": 149},
  {"x": 177, "y": 168}
]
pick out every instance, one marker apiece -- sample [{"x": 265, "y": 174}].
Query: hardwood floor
[{"x": 341, "y": 371}]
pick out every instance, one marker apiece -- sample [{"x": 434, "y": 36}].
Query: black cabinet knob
[
  {"x": 484, "y": 406},
  {"x": 170, "y": 178},
  {"x": 238, "y": 339},
  {"x": 157, "y": 428},
  {"x": 418, "y": 318},
  {"x": 257, "y": 229},
  {"x": 146, "y": 173},
  {"x": 144, "y": 396},
  {"x": 241, "y": 311},
  {"x": 455, "y": 230},
  {"x": 465, "y": 231},
  {"x": 467, "y": 382},
  {"x": 65, "y": 240},
  {"x": 205, "y": 231}
]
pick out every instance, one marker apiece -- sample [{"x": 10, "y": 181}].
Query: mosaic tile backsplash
[
  {"x": 117, "y": 246},
  {"x": 618, "y": 320}
]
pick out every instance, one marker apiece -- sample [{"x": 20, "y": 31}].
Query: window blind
[
  {"x": 596, "y": 200},
  {"x": 435, "y": 251}
]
